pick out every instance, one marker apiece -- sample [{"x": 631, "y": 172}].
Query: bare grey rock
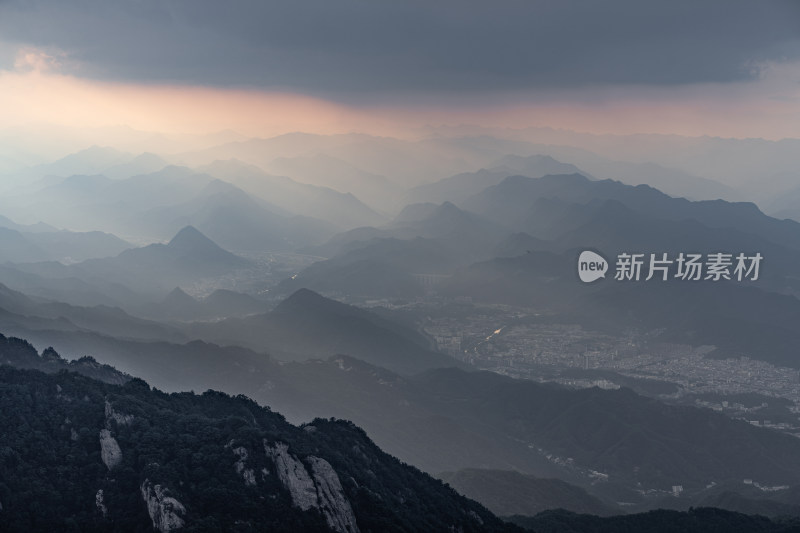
[
  {"x": 321, "y": 490},
  {"x": 164, "y": 510},
  {"x": 100, "y": 503},
  {"x": 119, "y": 418},
  {"x": 334, "y": 505},
  {"x": 110, "y": 451},
  {"x": 293, "y": 476},
  {"x": 248, "y": 474},
  {"x": 249, "y": 477}
]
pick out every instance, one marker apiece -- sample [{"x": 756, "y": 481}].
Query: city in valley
[{"x": 529, "y": 344}]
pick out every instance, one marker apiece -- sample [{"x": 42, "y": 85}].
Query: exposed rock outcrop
[
  {"x": 321, "y": 490},
  {"x": 119, "y": 418},
  {"x": 164, "y": 510},
  {"x": 293, "y": 476},
  {"x": 333, "y": 503},
  {"x": 248, "y": 474},
  {"x": 100, "y": 503},
  {"x": 110, "y": 451}
]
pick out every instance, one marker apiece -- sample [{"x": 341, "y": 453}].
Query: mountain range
[
  {"x": 612, "y": 443},
  {"x": 324, "y": 278},
  {"x": 106, "y": 457}
]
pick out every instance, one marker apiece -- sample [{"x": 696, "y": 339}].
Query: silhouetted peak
[
  {"x": 303, "y": 296},
  {"x": 191, "y": 239},
  {"x": 307, "y": 300},
  {"x": 448, "y": 209},
  {"x": 416, "y": 212},
  {"x": 179, "y": 296},
  {"x": 49, "y": 354}
]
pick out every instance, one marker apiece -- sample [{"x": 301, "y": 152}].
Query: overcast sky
[
  {"x": 382, "y": 53},
  {"x": 334, "y": 48}
]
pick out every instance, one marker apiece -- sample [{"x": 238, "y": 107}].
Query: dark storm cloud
[{"x": 372, "y": 47}]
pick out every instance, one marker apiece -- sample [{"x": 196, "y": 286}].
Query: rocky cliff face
[
  {"x": 110, "y": 452},
  {"x": 119, "y": 418},
  {"x": 320, "y": 490},
  {"x": 293, "y": 476},
  {"x": 248, "y": 474},
  {"x": 206, "y": 462},
  {"x": 164, "y": 510},
  {"x": 332, "y": 501}
]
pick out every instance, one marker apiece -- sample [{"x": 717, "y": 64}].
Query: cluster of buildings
[{"x": 534, "y": 347}]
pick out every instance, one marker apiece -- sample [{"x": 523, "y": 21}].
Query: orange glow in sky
[{"x": 35, "y": 92}]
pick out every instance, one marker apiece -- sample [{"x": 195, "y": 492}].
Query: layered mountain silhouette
[
  {"x": 135, "y": 276},
  {"x": 469, "y": 419},
  {"x": 669, "y": 179},
  {"x": 153, "y": 205},
  {"x": 499, "y": 241},
  {"x": 188, "y": 251},
  {"x": 134, "y": 458},
  {"x": 547, "y": 222},
  {"x": 507, "y": 493},
  {"x": 344, "y": 210},
  {"x": 328, "y": 171},
  {"x": 40, "y": 242},
  {"x": 18, "y": 353},
  {"x": 222, "y": 303},
  {"x": 307, "y": 325},
  {"x": 238, "y": 221},
  {"x": 461, "y": 186},
  {"x": 510, "y": 203},
  {"x": 20, "y": 312}
]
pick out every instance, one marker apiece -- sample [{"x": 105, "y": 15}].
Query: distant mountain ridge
[
  {"x": 307, "y": 325},
  {"x": 40, "y": 242},
  {"x": 341, "y": 209},
  {"x": 135, "y": 276},
  {"x": 222, "y": 303},
  {"x": 18, "y": 353},
  {"x": 458, "y": 188},
  {"x": 510, "y": 201},
  {"x": 508, "y": 493}
]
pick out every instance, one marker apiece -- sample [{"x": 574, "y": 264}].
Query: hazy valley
[{"x": 441, "y": 315}]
